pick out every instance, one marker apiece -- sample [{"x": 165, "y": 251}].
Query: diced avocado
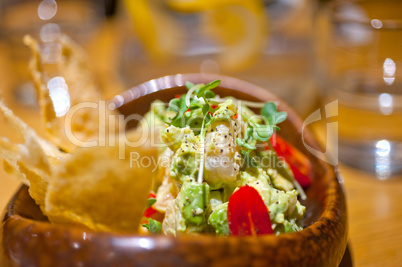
[
  {"x": 269, "y": 160},
  {"x": 219, "y": 220},
  {"x": 225, "y": 111},
  {"x": 184, "y": 162},
  {"x": 194, "y": 120},
  {"x": 174, "y": 137},
  {"x": 194, "y": 200},
  {"x": 288, "y": 226}
]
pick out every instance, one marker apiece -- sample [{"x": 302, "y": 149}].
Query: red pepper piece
[
  {"x": 247, "y": 213},
  {"x": 150, "y": 211},
  {"x": 297, "y": 161},
  {"x": 177, "y": 96},
  {"x": 303, "y": 179}
]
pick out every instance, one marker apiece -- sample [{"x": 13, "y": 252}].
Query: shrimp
[{"x": 222, "y": 155}]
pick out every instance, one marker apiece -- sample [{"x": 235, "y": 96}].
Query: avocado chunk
[
  {"x": 194, "y": 200},
  {"x": 219, "y": 220}
]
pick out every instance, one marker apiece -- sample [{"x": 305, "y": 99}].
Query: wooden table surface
[{"x": 374, "y": 206}]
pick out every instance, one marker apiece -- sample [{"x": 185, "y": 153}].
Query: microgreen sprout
[
  {"x": 153, "y": 226},
  {"x": 198, "y": 96},
  {"x": 151, "y": 201},
  {"x": 259, "y": 131}
]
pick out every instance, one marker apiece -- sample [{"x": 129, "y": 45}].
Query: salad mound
[{"x": 228, "y": 172}]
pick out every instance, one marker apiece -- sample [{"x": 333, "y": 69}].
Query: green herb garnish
[
  {"x": 270, "y": 112},
  {"x": 260, "y": 132},
  {"x": 151, "y": 201},
  {"x": 153, "y": 226},
  {"x": 187, "y": 103}
]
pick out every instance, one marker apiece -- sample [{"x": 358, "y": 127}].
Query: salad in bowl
[
  {"x": 234, "y": 185},
  {"x": 226, "y": 171}
]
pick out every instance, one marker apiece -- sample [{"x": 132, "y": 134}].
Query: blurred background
[{"x": 311, "y": 53}]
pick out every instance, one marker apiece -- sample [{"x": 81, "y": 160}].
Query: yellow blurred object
[
  {"x": 188, "y": 6},
  {"x": 158, "y": 31},
  {"x": 241, "y": 27}
]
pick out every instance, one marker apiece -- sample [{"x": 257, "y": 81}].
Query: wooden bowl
[{"x": 28, "y": 239}]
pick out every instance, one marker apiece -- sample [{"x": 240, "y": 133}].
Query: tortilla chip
[
  {"x": 95, "y": 188},
  {"x": 87, "y": 114},
  {"x": 31, "y": 162}
]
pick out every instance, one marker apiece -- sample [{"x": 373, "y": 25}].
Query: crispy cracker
[
  {"x": 95, "y": 188},
  {"x": 32, "y": 161},
  {"x": 89, "y": 117}
]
